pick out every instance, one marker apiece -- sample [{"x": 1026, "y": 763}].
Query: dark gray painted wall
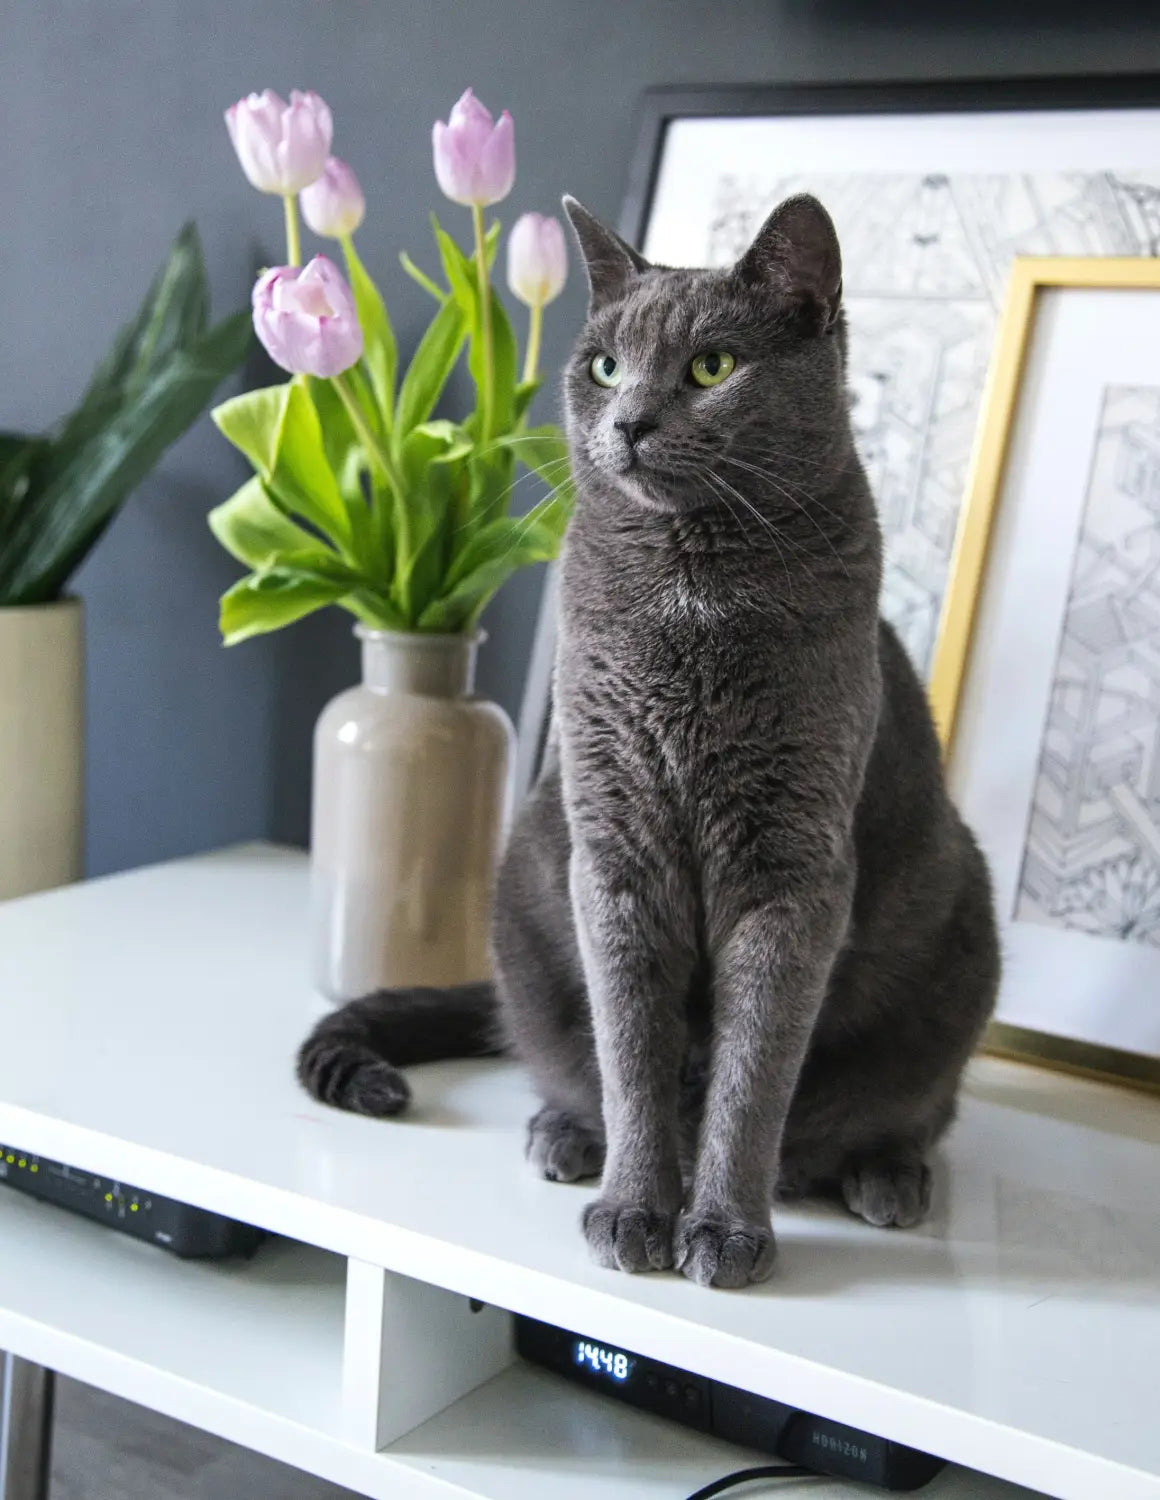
[{"x": 111, "y": 135}]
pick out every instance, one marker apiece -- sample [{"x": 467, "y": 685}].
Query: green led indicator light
[
  {"x": 132, "y": 1208},
  {"x": 9, "y": 1158},
  {"x": 22, "y": 1162},
  {"x": 34, "y": 1168},
  {"x": 108, "y": 1197}
]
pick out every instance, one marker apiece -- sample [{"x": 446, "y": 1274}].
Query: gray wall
[{"x": 111, "y": 134}]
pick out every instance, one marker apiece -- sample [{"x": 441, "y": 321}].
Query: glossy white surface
[
  {"x": 252, "y": 1352},
  {"x": 1018, "y": 1332}
]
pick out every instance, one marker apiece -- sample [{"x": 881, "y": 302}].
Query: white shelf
[
  {"x": 1018, "y": 1332},
  {"x": 252, "y": 1351},
  {"x": 530, "y": 1435},
  {"x": 240, "y": 1348}
]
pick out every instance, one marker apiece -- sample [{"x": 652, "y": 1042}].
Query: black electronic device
[
  {"x": 754, "y": 1421},
  {"x": 186, "y": 1231}
]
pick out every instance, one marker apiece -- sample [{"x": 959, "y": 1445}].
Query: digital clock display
[{"x": 613, "y": 1364}]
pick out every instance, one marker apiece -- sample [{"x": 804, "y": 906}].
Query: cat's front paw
[
  {"x": 715, "y": 1250},
  {"x": 629, "y": 1236}
]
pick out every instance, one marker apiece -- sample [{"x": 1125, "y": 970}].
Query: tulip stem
[
  {"x": 487, "y": 418},
  {"x": 535, "y": 328},
  {"x": 293, "y": 238}
]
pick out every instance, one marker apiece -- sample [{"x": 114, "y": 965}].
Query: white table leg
[{"x": 26, "y": 1402}]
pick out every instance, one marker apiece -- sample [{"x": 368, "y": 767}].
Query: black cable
[{"x": 748, "y": 1476}]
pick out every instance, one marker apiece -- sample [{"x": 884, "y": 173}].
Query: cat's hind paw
[
  {"x": 890, "y": 1193},
  {"x": 628, "y": 1236},
  {"x": 714, "y": 1250},
  {"x": 562, "y": 1150}
]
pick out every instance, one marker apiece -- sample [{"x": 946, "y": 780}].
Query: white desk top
[{"x": 1018, "y": 1332}]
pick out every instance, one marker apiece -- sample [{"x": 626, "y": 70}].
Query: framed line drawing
[
  {"x": 935, "y": 189},
  {"x": 1046, "y": 680}
]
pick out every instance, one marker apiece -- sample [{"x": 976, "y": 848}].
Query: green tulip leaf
[
  {"x": 493, "y": 485},
  {"x": 544, "y": 450},
  {"x": 262, "y": 602},
  {"x": 495, "y": 552},
  {"x": 251, "y": 422},
  {"x": 279, "y": 431},
  {"x": 340, "y": 442},
  {"x": 432, "y": 288},
  {"x": 434, "y": 473},
  {"x": 491, "y": 240},
  {"x": 462, "y": 275},
  {"x": 430, "y": 368},
  {"x": 316, "y": 562},
  {"x": 380, "y": 352},
  {"x": 302, "y": 475},
  {"x": 252, "y": 528},
  {"x": 293, "y": 586},
  {"x": 431, "y": 443},
  {"x": 525, "y": 394},
  {"x": 506, "y": 357},
  {"x": 457, "y": 267},
  {"x": 372, "y": 609}
]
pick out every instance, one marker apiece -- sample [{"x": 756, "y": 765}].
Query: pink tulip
[
  {"x": 537, "y": 263},
  {"x": 282, "y": 147},
  {"x": 306, "y": 319},
  {"x": 475, "y": 156},
  {"x": 334, "y": 205}
]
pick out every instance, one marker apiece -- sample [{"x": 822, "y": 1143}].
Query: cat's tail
[{"x": 352, "y": 1057}]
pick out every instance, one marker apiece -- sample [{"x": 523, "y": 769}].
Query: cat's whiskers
[
  {"x": 779, "y": 536},
  {"x": 784, "y": 480},
  {"x": 779, "y": 486},
  {"x": 727, "y": 490},
  {"x": 722, "y": 495},
  {"x": 770, "y": 451}
]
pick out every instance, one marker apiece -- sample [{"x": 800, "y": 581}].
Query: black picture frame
[{"x": 659, "y": 107}]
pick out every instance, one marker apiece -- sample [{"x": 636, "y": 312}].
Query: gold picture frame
[{"x": 1029, "y": 276}]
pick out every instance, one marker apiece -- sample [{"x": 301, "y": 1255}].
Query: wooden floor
[{"x": 106, "y": 1449}]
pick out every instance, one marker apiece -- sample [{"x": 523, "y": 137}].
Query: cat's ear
[
  {"x": 796, "y": 251},
  {"x": 611, "y": 264}
]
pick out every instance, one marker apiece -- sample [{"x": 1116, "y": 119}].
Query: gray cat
[{"x": 742, "y": 939}]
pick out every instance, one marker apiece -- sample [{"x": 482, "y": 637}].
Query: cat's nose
[{"x": 634, "y": 431}]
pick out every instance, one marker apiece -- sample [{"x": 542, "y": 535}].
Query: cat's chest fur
[{"x": 676, "y": 669}]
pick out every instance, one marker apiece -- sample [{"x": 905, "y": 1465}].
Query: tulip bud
[
  {"x": 475, "y": 157},
  {"x": 282, "y": 147},
  {"x": 537, "y": 260},
  {"x": 334, "y": 205},
  {"x": 306, "y": 319}
]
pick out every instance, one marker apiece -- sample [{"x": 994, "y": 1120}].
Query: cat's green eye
[
  {"x": 605, "y": 370},
  {"x": 712, "y": 368}
]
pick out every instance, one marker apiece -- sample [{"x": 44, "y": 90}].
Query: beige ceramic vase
[
  {"x": 412, "y": 780},
  {"x": 41, "y": 746}
]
